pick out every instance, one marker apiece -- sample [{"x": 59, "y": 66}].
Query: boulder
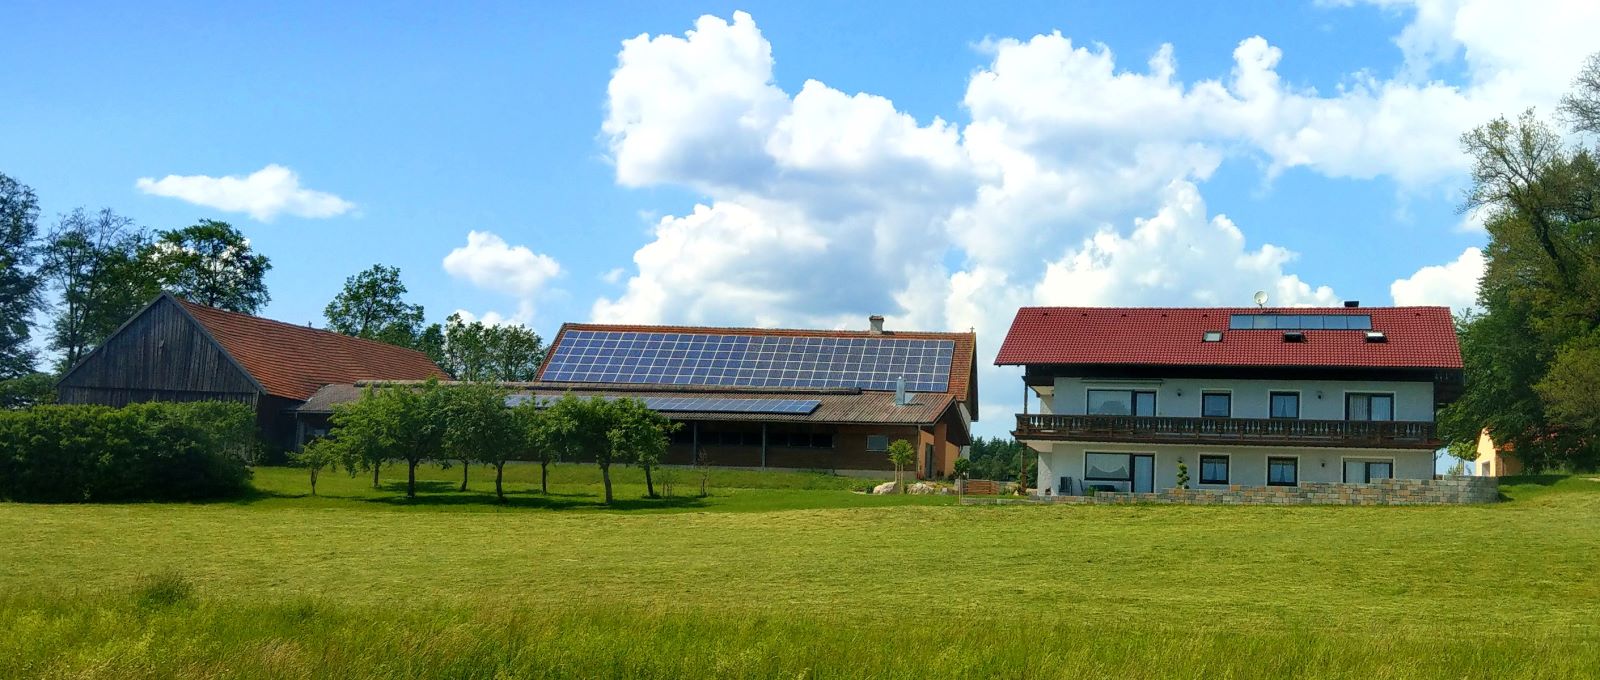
[
  {"x": 923, "y": 488},
  {"x": 883, "y": 489}
]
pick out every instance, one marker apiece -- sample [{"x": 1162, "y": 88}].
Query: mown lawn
[{"x": 796, "y": 582}]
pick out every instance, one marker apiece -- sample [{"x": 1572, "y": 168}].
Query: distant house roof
[
  {"x": 836, "y": 406},
  {"x": 1412, "y": 337},
  {"x": 294, "y": 361},
  {"x": 960, "y": 381}
]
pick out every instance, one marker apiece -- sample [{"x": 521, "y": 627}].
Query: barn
[
  {"x": 176, "y": 350},
  {"x": 766, "y": 398}
]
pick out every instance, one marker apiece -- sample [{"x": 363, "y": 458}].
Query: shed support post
[
  {"x": 694, "y": 445},
  {"x": 763, "y": 446}
]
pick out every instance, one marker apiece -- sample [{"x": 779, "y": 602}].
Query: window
[
  {"x": 1212, "y": 336},
  {"x": 877, "y": 442},
  {"x": 1285, "y": 404},
  {"x": 1216, "y": 404},
  {"x": 1369, "y": 407},
  {"x": 1116, "y": 467},
  {"x": 1213, "y": 469},
  {"x": 1122, "y": 403},
  {"x": 1283, "y": 471}
]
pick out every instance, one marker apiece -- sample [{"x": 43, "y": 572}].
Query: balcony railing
[{"x": 1247, "y": 431}]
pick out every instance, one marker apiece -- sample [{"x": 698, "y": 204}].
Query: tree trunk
[
  {"x": 411, "y": 479},
  {"x": 649, "y": 486},
  {"x": 314, "y": 481},
  {"x": 375, "y": 465},
  {"x": 465, "y": 465},
  {"x": 499, "y": 474},
  {"x": 544, "y": 477},
  {"x": 605, "y": 474}
]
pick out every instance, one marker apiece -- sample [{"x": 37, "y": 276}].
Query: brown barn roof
[
  {"x": 294, "y": 361},
  {"x": 962, "y": 385}
]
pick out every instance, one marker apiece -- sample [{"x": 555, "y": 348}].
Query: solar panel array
[
  {"x": 724, "y": 359},
  {"x": 1299, "y": 322},
  {"x": 798, "y": 407}
]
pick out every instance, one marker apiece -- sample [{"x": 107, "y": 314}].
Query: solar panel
[
  {"x": 1300, "y": 321},
  {"x": 701, "y": 404},
  {"x": 750, "y": 360}
]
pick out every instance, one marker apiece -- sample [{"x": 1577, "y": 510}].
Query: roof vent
[
  {"x": 900, "y": 392},
  {"x": 1294, "y": 336},
  {"x": 1376, "y": 336},
  {"x": 876, "y": 322},
  {"x": 1352, "y": 303},
  {"x": 1212, "y": 336}
]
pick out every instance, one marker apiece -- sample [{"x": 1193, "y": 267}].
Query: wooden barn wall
[{"x": 161, "y": 354}]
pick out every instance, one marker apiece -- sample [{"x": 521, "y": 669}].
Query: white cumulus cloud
[
  {"x": 263, "y": 194},
  {"x": 1076, "y": 177},
  {"x": 1454, "y": 284},
  {"x": 488, "y": 262}
]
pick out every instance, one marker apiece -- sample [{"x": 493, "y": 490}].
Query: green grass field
[{"x": 788, "y": 575}]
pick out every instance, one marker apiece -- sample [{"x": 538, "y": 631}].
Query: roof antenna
[{"x": 1261, "y": 298}]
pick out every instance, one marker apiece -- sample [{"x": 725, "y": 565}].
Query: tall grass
[
  {"x": 111, "y": 638},
  {"x": 309, "y": 587}
]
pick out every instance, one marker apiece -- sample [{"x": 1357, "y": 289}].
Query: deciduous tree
[
  {"x": 638, "y": 435},
  {"x": 318, "y": 455},
  {"x": 20, "y": 294},
  {"x": 372, "y": 305},
  {"x": 487, "y": 352},
  {"x": 92, "y": 261},
  {"x": 397, "y": 422},
  {"x": 211, "y": 263},
  {"x": 902, "y": 454},
  {"x": 478, "y": 429},
  {"x": 544, "y": 435},
  {"x": 1530, "y": 350}
]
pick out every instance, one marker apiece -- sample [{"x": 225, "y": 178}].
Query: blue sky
[{"x": 694, "y": 179}]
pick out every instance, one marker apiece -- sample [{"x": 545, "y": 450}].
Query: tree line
[
  {"x": 1531, "y": 348},
  {"x": 470, "y": 423},
  {"x": 91, "y": 270}
]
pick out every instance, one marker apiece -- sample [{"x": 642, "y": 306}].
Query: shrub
[{"x": 149, "y": 451}]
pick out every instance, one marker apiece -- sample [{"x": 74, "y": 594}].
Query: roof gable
[
  {"x": 294, "y": 361},
  {"x": 1414, "y": 337}
]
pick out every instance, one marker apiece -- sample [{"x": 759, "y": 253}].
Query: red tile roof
[
  {"x": 1418, "y": 337},
  {"x": 293, "y": 361},
  {"x": 962, "y": 384}
]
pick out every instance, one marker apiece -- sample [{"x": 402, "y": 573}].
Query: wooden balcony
[{"x": 1237, "y": 431}]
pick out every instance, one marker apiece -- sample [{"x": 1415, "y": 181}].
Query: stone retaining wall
[{"x": 1445, "y": 491}]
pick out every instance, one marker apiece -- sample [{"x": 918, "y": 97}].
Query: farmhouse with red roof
[{"x": 1239, "y": 396}]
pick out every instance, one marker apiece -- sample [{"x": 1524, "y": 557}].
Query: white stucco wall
[
  {"x": 1319, "y": 399},
  {"x": 1247, "y": 464}
]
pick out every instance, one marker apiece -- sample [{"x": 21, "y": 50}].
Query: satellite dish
[{"x": 1261, "y": 298}]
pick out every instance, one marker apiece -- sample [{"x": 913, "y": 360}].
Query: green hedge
[{"x": 150, "y": 451}]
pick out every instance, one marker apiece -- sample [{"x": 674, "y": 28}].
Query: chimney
[
  {"x": 877, "y": 324},
  {"x": 900, "y": 392},
  {"x": 1352, "y": 303}
]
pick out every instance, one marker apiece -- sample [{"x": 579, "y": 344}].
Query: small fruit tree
[{"x": 902, "y": 454}]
